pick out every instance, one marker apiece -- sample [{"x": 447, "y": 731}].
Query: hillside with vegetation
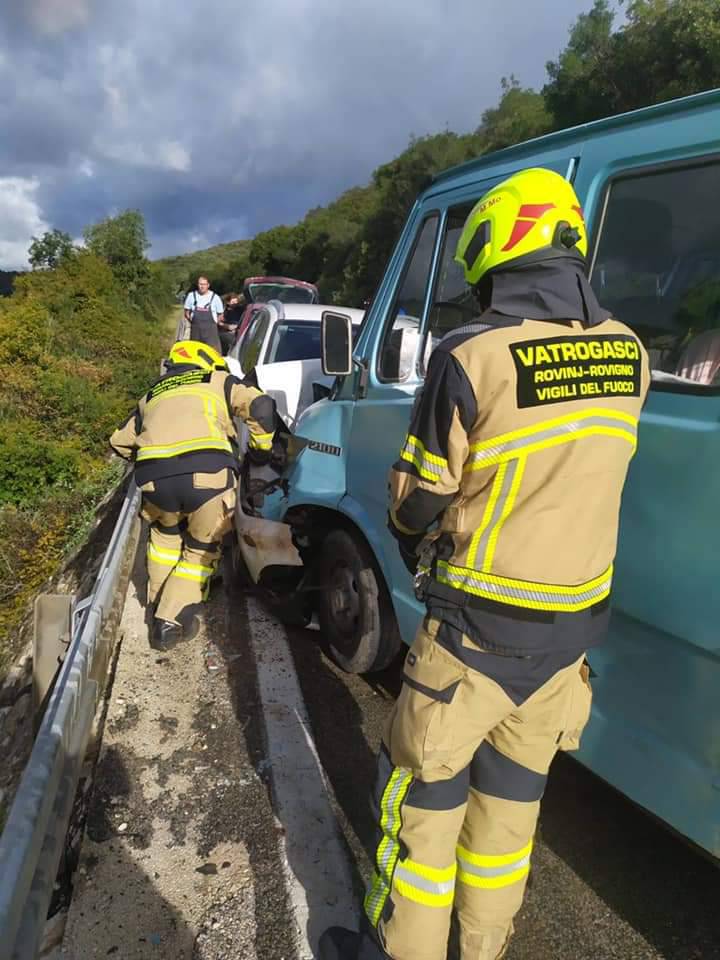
[
  {"x": 80, "y": 338},
  {"x": 185, "y": 265},
  {"x": 663, "y": 49}
]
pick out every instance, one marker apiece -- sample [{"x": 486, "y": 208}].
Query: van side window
[
  {"x": 452, "y": 303},
  {"x": 657, "y": 268},
  {"x": 402, "y": 333}
]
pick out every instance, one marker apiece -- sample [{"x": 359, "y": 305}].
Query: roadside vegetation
[
  {"x": 662, "y": 49},
  {"x": 80, "y": 338}
]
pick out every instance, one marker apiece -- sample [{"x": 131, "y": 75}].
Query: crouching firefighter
[
  {"x": 508, "y": 487},
  {"x": 182, "y": 440}
]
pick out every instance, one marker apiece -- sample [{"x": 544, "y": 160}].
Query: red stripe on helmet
[
  {"x": 521, "y": 229},
  {"x": 535, "y": 210},
  {"x": 528, "y": 216}
]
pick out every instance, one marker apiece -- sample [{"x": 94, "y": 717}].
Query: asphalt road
[{"x": 608, "y": 882}]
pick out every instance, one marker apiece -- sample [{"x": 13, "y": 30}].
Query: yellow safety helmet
[
  {"x": 197, "y": 354},
  {"x": 533, "y": 215}
]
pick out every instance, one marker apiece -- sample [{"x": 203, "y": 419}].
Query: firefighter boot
[
  {"x": 339, "y": 943},
  {"x": 165, "y": 634}
]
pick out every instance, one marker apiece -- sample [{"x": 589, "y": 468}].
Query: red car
[
  {"x": 262, "y": 289},
  {"x": 258, "y": 290}
]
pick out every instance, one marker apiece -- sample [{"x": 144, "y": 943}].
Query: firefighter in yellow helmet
[
  {"x": 181, "y": 439},
  {"x": 505, "y": 502}
]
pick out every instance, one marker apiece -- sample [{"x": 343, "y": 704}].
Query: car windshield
[
  {"x": 284, "y": 292},
  {"x": 294, "y": 340}
]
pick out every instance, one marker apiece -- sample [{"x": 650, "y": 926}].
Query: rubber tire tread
[{"x": 377, "y": 637}]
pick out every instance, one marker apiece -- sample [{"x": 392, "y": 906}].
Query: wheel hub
[{"x": 344, "y": 599}]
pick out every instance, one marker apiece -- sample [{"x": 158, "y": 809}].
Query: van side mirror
[{"x": 336, "y": 351}]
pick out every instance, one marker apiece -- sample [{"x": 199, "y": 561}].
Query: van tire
[{"x": 356, "y": 617}]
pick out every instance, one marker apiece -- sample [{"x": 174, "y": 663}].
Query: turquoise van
[{"x": 649, "y": 182}]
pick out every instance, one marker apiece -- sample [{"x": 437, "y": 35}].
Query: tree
[
  {"x": 397, "y": 185},
  {"x": 581, "y": 86},
  {"x": 665, "y": 49},
  {"x": 275, "y": 250},
  {"x": 122, "y": 241},
  {"x": 47, "y": 251},
  {"x": 520, "y": 115}
]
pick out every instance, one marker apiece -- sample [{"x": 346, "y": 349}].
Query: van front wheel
[{"x": 355, "y": 613}]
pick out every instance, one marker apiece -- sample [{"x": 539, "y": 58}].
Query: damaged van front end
[{"x": 278, "y": 517}]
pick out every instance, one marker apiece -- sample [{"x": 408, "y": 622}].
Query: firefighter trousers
[
  {"x": 461, "y": 773},
  {"x": 188, "y": 515}
]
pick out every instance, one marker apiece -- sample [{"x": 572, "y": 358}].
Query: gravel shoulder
[{"x": 181, "y": 855}]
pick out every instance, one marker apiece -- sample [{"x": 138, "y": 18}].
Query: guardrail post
[{"x": 52, "y": 630}]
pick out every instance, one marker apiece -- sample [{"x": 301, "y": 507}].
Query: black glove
[
  {"x": 408, "y": 557},
  {"x": 407, "y": 544},
  {"x": 259, "y": 457}
]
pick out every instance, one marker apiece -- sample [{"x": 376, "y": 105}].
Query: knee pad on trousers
[{"x": 492, "y": 944}]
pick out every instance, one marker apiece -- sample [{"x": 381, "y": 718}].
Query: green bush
[{"x": 32, "y": 466}]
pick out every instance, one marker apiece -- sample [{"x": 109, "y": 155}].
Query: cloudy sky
[{"x": 219, "y": 118}]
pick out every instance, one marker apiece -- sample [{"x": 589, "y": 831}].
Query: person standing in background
[
  {"x": 204, "y": 313},
  {"x": 233, "y": 308}
]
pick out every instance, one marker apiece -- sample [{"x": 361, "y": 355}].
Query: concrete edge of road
[{"x": 317, "y": 869}]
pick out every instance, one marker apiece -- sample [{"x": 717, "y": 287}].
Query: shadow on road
[
  {"x": 650, "y": 879},
  {"x": 274, "y": 935},
  {"x": 662, "y": 887},
  {"x": 343, "y": 711}
]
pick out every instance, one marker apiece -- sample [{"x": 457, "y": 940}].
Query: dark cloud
[{"x": 215, "y": 117}]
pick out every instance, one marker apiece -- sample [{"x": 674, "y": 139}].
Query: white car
[{"x": 281, "y": 347}]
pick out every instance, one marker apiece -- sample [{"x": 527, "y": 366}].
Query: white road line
[{"x": 316, "y": 864}]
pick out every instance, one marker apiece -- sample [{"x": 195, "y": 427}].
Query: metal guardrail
[{"x": 33, "y": 840}]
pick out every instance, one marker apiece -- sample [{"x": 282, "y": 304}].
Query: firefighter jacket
[
  {"x": 184, "y": 424},
  {"x": 518, "y": 447}
]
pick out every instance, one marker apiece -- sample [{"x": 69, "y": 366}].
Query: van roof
[{"x": 578, "y": 132}]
